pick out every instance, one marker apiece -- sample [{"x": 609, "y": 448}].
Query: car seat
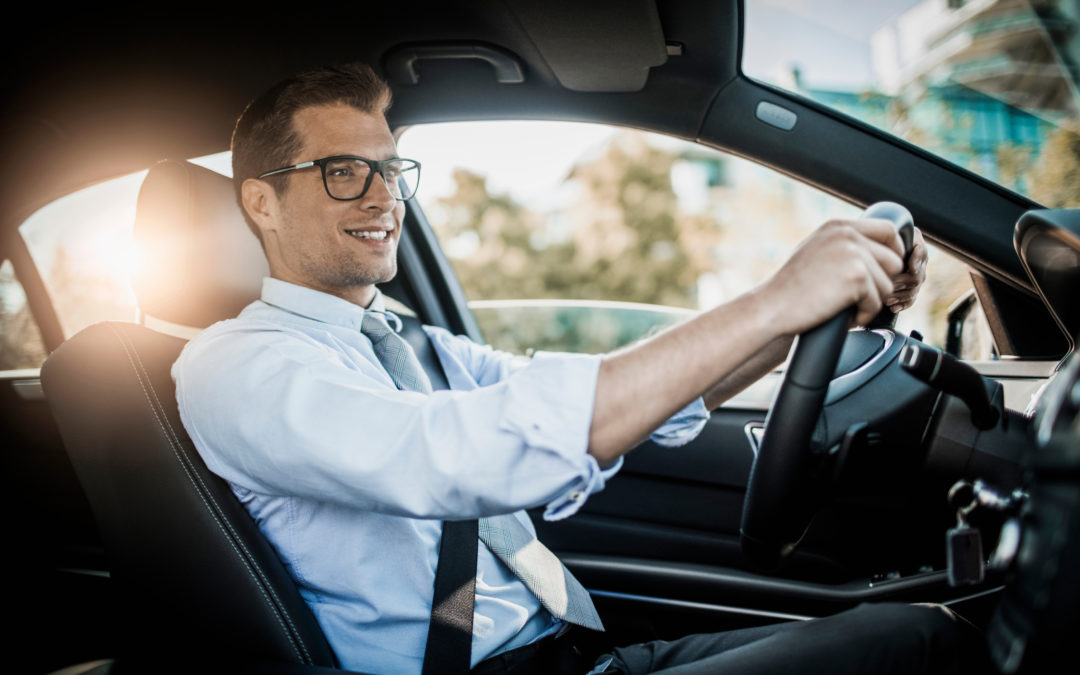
[{"x": 197, "y": 582}]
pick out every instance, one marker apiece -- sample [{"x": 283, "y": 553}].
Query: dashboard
[{"x": 1035, "y": 622}]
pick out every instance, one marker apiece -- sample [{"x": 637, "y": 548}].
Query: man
[{"x": 349, "y": 463}]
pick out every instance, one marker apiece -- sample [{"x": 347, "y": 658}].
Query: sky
[
  {"x": 827, "y": 39},
  {"x": 481, "y": 147}
]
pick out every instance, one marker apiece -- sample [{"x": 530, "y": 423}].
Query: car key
[
  {"x": 963, "y": 543},
  {"x": 965, "y": 556}
]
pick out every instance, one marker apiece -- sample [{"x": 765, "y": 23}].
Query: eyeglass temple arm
[{"x": 302, "y": 165}]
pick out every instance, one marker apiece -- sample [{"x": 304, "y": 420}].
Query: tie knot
[{"x": 375, "y": 326}]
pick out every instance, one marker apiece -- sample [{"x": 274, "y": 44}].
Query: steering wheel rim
[{"x": 780, "y": 479}]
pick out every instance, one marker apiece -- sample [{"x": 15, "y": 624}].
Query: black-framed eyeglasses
[{"x": 348, "y": 177}]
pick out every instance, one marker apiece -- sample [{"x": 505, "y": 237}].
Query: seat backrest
[{"x": 196, "y": 579}]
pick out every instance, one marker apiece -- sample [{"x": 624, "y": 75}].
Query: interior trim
[
  {"x": 755, "y": 432},
  {"x": 1022, "y": 368},
  {"x": 169, "y": 328},
  {"x": 630, "y": 573},
  {"x": 974, "y": 596},
  {"x": 25, "y": 382},
  {"x": 731, "y": 609},
  {"x": 83, "y": 572},
  {"x": 689, "y": 604},
  {"x": 1020, "y": 377},
  {"x": 29, "y": 390}
]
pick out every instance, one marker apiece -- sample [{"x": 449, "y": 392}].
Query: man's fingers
[
  {"x": 869, "y": 303},
  {"x": 880, "y": 230},
  {"x": 879, "y": 284},
  {"x": 847, "y": 263},
  {"x": 887, "y": 259},
  {"x": 906, "y": 284}
]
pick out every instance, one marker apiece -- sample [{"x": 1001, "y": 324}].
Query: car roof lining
[
  {"x": 90, "y": 112},
  {"x": 620, "y": 47}
]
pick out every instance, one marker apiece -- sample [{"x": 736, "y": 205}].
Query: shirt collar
[{"x": 308, "y": 302}]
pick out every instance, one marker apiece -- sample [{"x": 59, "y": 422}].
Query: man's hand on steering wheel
[
  {"x": 846, "y": 263},
  {"x": 906, "y": 284}
]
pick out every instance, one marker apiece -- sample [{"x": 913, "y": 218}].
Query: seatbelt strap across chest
[{"x": 449, "y": 642}]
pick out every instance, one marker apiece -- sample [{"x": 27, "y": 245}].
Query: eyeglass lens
[{"x": 347, "y": 178}]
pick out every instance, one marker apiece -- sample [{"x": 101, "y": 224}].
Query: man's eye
[{"x": 339, "y": 171}]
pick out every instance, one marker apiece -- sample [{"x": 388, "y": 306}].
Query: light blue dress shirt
[{"x": 349, "y": 477}]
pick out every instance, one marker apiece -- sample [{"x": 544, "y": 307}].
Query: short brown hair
[{"x": 264, "y": 138}]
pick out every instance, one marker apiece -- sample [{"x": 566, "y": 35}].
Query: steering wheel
[{"x": 780, "y": 497}]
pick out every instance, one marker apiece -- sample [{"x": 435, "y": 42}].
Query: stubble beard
[{"x": 345, "y": 272}]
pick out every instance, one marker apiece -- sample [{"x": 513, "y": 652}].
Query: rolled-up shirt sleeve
[
  {"x": 464, "y": 360},
  {"x": 276, "y": 413},
  {"x": 545, "y": 409},
  {"x": 683, "y": 426}
]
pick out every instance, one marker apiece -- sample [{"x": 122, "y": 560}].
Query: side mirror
[{"x": 957, "y": 315}]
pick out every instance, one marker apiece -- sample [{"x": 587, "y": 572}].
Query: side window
[
  {"x": 84, "y": 249},
  {"x": 21, "y": 345},
  {"x": 578, "y": 237},
  {"x": 82, "y": 245}
]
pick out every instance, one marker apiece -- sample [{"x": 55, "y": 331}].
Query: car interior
[{"x": 127, "y": 552}]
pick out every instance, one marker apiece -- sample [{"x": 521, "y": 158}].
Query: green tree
[
  {"x": 629, "y": 243},
  {"x": 20, "y": 341},
  {"x": 491, "y": 241},
  {"x": 1054, "y": 179},
  {"x": 624, "y": 240},
  {"x": 621, "y": 240}
]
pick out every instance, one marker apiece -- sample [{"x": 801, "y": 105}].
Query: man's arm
[
  {"x": 764, "y": 361},
  {"x": 846, "y": 263},
  {"x": 905, "y": 288}
]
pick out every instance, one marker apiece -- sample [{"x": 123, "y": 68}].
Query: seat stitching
[
  {"x": 204, "y": 495},
  {"x": 279, "y": 605}
]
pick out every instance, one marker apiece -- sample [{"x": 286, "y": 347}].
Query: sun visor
[
  {"x": 614, "y": 45},
  {"x": 1048, "y": 243}
]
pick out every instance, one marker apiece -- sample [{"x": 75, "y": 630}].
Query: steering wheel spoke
[{"x": 782, "y": 495}]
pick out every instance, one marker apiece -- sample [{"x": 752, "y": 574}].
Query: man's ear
[{"x": 261, "y": 203}]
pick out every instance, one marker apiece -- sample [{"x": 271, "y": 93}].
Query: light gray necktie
[
  {"x": 511, "y": 542},
  {"x": 395, "y": 354},
  {"x": 540, "y": 570}
]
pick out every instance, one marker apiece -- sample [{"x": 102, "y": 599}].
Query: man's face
[{"x": 338, "y": 247}]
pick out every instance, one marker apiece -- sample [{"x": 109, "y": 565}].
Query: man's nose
[
  {"x": 381, "y": 188},
  {"x": 378, "y": 194}
]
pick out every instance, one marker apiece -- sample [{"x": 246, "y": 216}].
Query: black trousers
[{"x": 872, "y": 638}]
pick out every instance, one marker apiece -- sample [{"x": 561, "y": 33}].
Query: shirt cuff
[
  {"x": 572, "y": 500},
  {"x": 683, "y": 426},
  {"x": 550, "y": 406}
]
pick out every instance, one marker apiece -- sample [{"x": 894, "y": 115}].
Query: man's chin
[{"x": 372, "y": 278}]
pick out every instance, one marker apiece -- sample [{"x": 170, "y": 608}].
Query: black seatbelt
[{"x": 449, "y": 641}]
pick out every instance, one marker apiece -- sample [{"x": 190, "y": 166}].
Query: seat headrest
[{"x": 201, "y": 263}]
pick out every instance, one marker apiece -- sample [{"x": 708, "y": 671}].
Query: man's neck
[{"x": 362, "y": 296}]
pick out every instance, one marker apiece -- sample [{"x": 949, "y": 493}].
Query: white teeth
[{"x": 379, "y": 234}]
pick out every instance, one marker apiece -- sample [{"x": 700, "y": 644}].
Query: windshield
[{"x": 990, "y": 85}]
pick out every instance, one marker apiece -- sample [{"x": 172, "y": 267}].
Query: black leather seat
[{"x": 197, "y": 581}]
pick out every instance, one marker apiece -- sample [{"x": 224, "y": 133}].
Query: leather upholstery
[
  {"x": 196, "y": 579},
  {"x": 203, "y": 264}
]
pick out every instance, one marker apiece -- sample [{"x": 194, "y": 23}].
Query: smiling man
[
  {"x": 321, "y": 420},
  {"x": 339, "y": 245}
]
